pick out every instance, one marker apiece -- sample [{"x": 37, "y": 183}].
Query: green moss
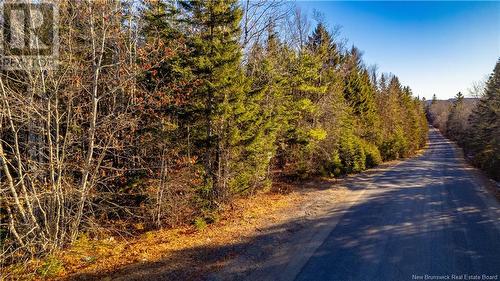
[{"x": 51, "y": 267}]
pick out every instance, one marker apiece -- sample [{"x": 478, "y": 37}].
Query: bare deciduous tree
[{"x": 259, "y": 15}]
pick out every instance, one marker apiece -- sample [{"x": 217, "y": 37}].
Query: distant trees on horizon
[{"x": 474, "y": 123}]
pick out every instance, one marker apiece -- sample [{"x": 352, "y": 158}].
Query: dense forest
[
  {"x": 163, "y": 112},
  {"x": 473, "y": 123}
]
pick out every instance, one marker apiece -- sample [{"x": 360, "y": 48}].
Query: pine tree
[
  {"x": 166, "y": 79},
  {"x": 321, "y": 43},
  {"x": 483, "y": 140},
  {"x": 270, "y": 96},
  {"x": 161, "y": 19},
  {"x": 393, "y": 137},
  {"x": 360, "y": 94},
  {"x": 454, "y": 124},
  {"x": 221, "y": 94}
]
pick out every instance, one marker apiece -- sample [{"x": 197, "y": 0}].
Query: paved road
[{"x": 427, "y": 216}]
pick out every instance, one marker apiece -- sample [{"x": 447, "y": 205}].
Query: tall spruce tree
[
  {"x": 393, "y": 140},
  {"x": 321, "y": 43},
  {"x": 269, "y": 96},
  {"x": 360, "y": 94},
  {"x": 221, "y": 91},
  {"x": 454, "y": 124},
  {"x": 166, "y": 79},
  {"x": 483, "y": 140}
]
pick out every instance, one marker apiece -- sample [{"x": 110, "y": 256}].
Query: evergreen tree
[
  {"x": 382, "y": 84},
  {"x": 221, "y": 92},
  {"x": 270, "y": 95},
  {"x": 321, "y": 43},
  {"x": 392, "y": 114},
  {"x": 429, "y": 106},
  {"x": 483, "y": 141},
  {"x": 360, "y": 94},
  {"x": 166, "y": 79},
  {"x": 454, "y": 124}
]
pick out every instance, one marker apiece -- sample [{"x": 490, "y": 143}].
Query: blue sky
[{"x": 433, "y": 47}]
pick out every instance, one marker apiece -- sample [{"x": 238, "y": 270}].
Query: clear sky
[{"x": 433, "y": 47}]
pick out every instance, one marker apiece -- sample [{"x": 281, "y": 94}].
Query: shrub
[
  {"x": 372, "y": 154},
  {"x": 332, "y": 166},
  {"x": 200, "y": 223},
  {"x": 352, "y": 154},
  {"x": 388, "y": 150},
  {"x": 488, "y": 161},
  {"x": 395, "y": 146}
]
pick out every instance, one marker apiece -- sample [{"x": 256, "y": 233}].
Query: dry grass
[{"x": 103, "y": 257}]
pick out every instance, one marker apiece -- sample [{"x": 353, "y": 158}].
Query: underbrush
[{"x": 101, "y": 255}]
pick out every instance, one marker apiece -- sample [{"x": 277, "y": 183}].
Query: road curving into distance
[{"x": 428, "y": 218}]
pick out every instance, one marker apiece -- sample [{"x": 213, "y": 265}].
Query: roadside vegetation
[
  {"x": 162, "y": 113},
  {"x": 473, "y": 123}
]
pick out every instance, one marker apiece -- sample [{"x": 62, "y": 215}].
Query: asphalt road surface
[{"x": 430, "y": 219}]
